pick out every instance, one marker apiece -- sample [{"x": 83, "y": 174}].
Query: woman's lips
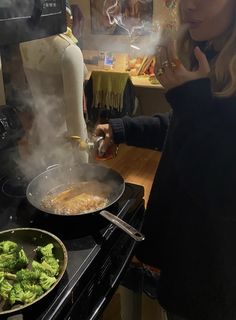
[{"x": 193, "y": 24}]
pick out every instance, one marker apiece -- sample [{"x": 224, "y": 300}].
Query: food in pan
[
  {"x": 22, "y": 281},
  {"x": 87, "y": 196}
]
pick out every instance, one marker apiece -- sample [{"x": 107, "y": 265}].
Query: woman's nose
[{"x": 190, "y": 4}]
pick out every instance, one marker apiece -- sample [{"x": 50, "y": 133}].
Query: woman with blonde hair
[{"x": 190, "y": 225}]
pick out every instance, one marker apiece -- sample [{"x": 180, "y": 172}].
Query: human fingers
[
  {"x": 161, "y": 61},
  {"x": 101, "y": 129},
  {"x": 106, "y": 131},
  {"x": 204, "y": 67},
  {"x": 175, "y": 62},
  {"x": 163, "y": 57}
]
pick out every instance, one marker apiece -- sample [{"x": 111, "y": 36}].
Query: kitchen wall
[
  {"x": 105, "y": 42},
  {"x": 151, "y": 100}
]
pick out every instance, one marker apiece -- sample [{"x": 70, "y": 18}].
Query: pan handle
[{"x": 131, "y": 231}]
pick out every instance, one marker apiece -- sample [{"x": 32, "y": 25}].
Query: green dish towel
[{"x": 108, "y": 89}]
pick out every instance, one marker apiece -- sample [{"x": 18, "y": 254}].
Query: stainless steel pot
[{"x": 59, "y": 177}]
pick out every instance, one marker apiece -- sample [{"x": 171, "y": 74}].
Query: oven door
[{"x": 104, "y": 279}]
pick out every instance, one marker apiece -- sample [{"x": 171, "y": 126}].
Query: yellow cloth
[
  {"x": 108, "y": 88},
  {"x": 69, "y": 34}
]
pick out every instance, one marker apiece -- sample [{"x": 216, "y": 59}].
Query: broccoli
[
  {"x": 9, "y": 276},
  {"x": 24, "y": 293},
  {"x": 34, "y": 288},
  {"x": 16, "y": 294},
  {"x": 22, "y": 260},
  {"x": 13, "y": 261},
  {"x": 45, "y": 251},
  {"x": 8, "y": 261},
  {"x": 50, "y": 269},
  {"x": 5, "y": 288},
  {"x": 49, "y": 266},
  {"x": 46, "y": 281},
  {"x": 8, "y": 247},
  {"x": 53, "y": 263},
  {"x": 27, "y": 275},
  {"x": 25, "y": 285},
  {"x": 29, "y": 297},
  {"x": 37, "y": 266}
]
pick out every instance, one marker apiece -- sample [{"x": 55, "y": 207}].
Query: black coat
[{"x": 190, "y": 223}]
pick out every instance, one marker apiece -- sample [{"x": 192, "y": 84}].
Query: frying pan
[
  {"x": 59, "y": 177},
  {"x": 29, "y": 239}
]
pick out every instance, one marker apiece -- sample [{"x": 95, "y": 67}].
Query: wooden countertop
[{"x": 136, "y": 165}]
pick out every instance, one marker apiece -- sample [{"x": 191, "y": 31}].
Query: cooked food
[
  {"x": 23, "y": 281},
  {"x": 87, "y": 196}
]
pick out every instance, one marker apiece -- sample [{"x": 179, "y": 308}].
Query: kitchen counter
[
  {"x": 138, "y": 81},
  {"x": 120, "y": 65},
  {"x": 143, "y": 168}
]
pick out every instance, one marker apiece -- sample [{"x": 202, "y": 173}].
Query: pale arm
[{"x": 73, "y": 79}]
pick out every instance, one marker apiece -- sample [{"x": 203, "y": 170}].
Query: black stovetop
[{"x": 87, "y": 239}]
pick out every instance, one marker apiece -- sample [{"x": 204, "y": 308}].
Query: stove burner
[{"x": 15, "y": 187}]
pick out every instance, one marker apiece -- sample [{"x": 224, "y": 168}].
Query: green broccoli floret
[
  {"x": 13, "y": 261},
  {"x": 8, "y": 247},
  {"x": 45, "y": 251},
  {"x": 8, "y": 261},
  {"x": 24, "y": 293},
  {"x": 29, "y": 297},
  {"x": 9, "y": 276},
  {"x": 53, "y": 263},
  {"x": 16, "y": 294},
  {"x": 27, "y": 275},
  {"x": 5, "y": 288},
  {"x": 22, "y": 260},
  {"x": 37, "y": 266},
  {"x": 49, "y": 266},
  {"x": 46, "y": 281},
  {"x": 34, "y": 288}
]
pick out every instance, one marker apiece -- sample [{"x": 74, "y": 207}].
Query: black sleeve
[
  {"x": 191, "y": 97},
  {"x": 143, "y": 131},
  {"x": 204, "y": 146},
  {"x": 202, "y": 156}
]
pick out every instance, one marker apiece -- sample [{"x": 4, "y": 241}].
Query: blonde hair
[{"x": 223, "y": 67}]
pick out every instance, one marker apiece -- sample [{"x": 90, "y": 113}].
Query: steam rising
[
  {"x": 130, "y": 25},
  {"x": 144, "y": 34},
  {"x": 118, "y": 19},
  {"x": 47, "y": 143}
]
